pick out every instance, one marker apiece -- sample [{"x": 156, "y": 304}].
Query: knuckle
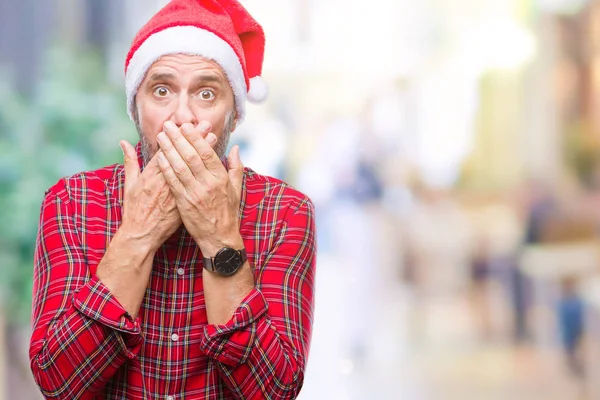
[
  {"x": 147, "y": 191},
  {"x": 210, "y": 187},
  {"x": 191, "y": 158},
  {"x": 174, "y": 182},
  {"x": 178, "y": 139},
  {"x": 206, "y": 155},
  {"x": 180, "y": 170},
  {"x": 194, "y": 198}
]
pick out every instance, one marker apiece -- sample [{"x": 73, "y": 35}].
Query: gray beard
[{"x": 149, "y": 150}]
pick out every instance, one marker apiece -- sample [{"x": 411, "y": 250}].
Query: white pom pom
[{"x": 259, "y": 90}]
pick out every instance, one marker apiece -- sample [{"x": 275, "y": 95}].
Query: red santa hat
[{"x": 220, "y": 30}]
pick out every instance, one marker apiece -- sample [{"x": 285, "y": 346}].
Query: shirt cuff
[
  {"x": 95, "y": 301},
  {"x": 231, "y": 343}
]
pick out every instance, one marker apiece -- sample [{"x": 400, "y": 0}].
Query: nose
[{"x": 183, "y": 112}]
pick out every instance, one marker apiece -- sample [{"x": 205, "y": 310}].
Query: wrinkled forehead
[{"x": 186, "y": 67}]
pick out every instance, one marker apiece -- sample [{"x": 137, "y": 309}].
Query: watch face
[{"x": 227, "y": 261}]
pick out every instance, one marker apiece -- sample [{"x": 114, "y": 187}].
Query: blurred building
[{"x": 24, "y": 33}]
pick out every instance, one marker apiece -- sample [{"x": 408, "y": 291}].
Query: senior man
[{"x": 180, "y": 274}]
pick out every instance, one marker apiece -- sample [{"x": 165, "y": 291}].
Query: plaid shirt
[{"x": 85, "y": 345}]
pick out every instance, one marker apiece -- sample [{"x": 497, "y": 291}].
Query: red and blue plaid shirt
[{"x": 85, "y": 345}]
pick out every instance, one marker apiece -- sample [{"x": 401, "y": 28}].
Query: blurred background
[{"x": 452, "y": 150}]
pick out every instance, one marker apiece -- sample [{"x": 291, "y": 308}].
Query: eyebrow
[
  {"x": 207, "y": 78},
  {"x": 198, "y": 80},
  {"x": 161, "y": 76}
]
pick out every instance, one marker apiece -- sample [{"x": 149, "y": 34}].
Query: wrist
[
  {"x": 140, "y": 245},
  {"x": 211, "y": 248}
]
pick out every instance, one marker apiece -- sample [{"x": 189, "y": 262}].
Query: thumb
[
  {"x": 132, "y": 168},
  {"x": 236, "y": 169}
]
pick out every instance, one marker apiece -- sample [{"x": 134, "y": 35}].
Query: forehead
[{"x": 185, "y": 65}]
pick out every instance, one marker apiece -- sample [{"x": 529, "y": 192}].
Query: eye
[
  {"x": 161, "y": 91},
  {"x": 207, "y": 94}
]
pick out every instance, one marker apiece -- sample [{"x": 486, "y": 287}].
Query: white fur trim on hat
[
  {"x": 186, "y": 40},
  {"x": 259, "y": 90}
]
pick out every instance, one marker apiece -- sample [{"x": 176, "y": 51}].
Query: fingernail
[
  {"x": 122, "y": 148},
  {"x": 169, "y": 125},
  {"x": 211, "y": 138},
  {"x": 187, "y": 128},
  {"x": 204, "y": 126}
]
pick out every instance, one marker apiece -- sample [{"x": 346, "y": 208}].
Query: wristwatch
[{"x": 226, "y": 262}]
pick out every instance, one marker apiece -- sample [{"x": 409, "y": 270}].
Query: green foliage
[{"x": 73, "y": 124}]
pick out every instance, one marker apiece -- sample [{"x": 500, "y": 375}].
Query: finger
[
  {"x": 210, "y": 159},
  {"x": 211, "y": 138},
  {"x": 202, "y": 131},
  {"x": 192, "y": 132},
  {"x": 170, "y": 176},
  {"x": 130, "y": 162},
  {"x": 177, "y": 163},
  {"x": 153, "y": 174},
  {"x": 151, "y": 170},
  {"x": 185, "y": 148},
  {"x": 236, "y": 169}
]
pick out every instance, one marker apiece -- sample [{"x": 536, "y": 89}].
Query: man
[{"x": 180, "y": 274}]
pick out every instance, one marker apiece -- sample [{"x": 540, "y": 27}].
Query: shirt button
[
  {"x": 174, "y": 337},
  {"x": 170, "y": 398},
  {"x": 180, "y": 271}
]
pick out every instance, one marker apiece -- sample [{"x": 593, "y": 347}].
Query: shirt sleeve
[
  {"x": 261, "y": 352},
  {"x": 81, "y": 334}
]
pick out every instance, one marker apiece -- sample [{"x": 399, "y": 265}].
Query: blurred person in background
[
  {"x": 121, "y": 305},
  {"x": 540, "y": 206},
  {"x": 357, "y": 209},
  {"x": 480, "y": 266},
  {"x": 570, "y": 310}
]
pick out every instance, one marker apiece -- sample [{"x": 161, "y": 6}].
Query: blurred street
[{"x": 431, "y": 349}]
